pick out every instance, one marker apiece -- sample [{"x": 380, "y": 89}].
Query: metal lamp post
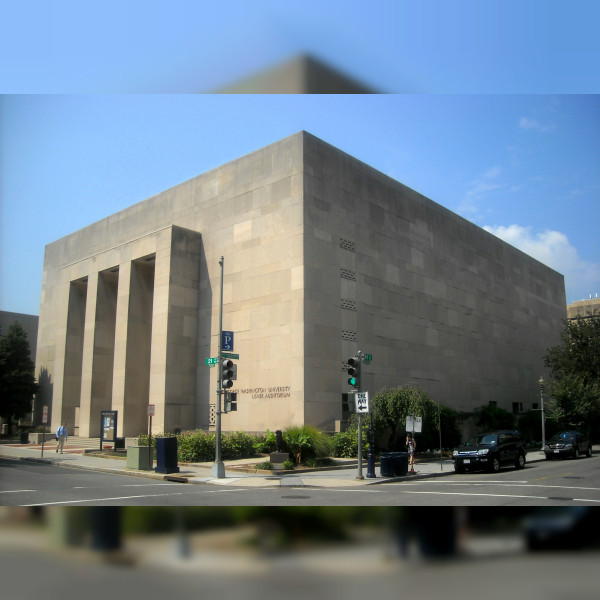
[{"x": 541, "y": 382}]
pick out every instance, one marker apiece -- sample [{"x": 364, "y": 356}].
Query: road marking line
[
  {"x": 16, "y": 491},
  {"x": 102, "y": 499},
  {"x": 468, "y": 483},
  {"x": 584, "y": 500},
  {"x": 477, "y": 494}
]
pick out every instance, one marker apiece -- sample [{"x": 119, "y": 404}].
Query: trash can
[
  {"x": 393, "y": 464},
  {"x": 24, "y": 437},
  {"x": 166, "y": 455},
  {"x": 119, "y": 443}
]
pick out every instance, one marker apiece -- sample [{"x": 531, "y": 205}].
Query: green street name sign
[
  {"x": 230, "y": 355},
  {"x": 212, "y": 361},
  {"x": 367, "y": 357}
]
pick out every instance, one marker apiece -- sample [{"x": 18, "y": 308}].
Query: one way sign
[{"x": 362, "y": 402}]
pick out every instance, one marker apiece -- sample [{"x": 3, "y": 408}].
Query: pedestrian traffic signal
[
  {"x": 354, "y": 372},
  {"x": 226, "y": 373},
  {"x": 230, "y": 401}
]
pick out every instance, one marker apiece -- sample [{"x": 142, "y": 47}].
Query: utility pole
[{"x": 218, "y": 468}]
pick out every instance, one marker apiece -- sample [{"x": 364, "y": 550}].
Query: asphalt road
[{"x": 561, "y": 483}]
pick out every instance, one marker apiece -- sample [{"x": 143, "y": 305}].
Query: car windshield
[
  {"x": 490, "y": 438},
  {"x": 563, "y": 437}
]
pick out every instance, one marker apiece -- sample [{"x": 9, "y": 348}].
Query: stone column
[
  {"x": 120, "y": 354},
  {"x": 71, "y": 388},
  {"x": 88, "y": 358}
]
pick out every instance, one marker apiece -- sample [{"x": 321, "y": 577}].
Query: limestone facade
[{"x": 323, "y": 256}]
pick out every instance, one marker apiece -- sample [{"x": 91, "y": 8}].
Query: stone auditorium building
[{"x": 324, "y": 256}]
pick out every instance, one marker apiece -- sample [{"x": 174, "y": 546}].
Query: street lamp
[{"x": 541, "y": 382}]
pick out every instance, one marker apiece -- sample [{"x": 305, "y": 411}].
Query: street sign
[
  {"x": 45, "y": 414},
  {"x": 151, "y": 410},
  {"x": 362, "y": 402},
  {"x": 367, "y": 357},
  {"x": 230, "y": 355},
  {"x": 227, "y": 341},
  {"x": 214, "y": 360},
  {"x": 414, "y": 424}
]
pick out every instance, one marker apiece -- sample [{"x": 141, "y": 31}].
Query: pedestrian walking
[
  {"x": 412, "y": 446},
  {"x": 61, "y": 437}
]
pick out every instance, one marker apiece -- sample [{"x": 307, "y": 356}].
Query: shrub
[
  {"x": 307, "y": 440},
  {"x": 265, "y": 466},
  {"x": 288, "y": 465},
  {"x": 345, "y": 443},
  {"x": 237, "y": 444}
]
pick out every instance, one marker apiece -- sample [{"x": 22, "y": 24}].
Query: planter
[{"x": 139, "y": 458}]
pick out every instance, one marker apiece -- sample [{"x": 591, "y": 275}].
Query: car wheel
[
  {"x": 495, "y": 464},
  {"x": 576, "y": 453},
  {"x": 548, "y": 457},
  {"x": 520, "y": 464}
]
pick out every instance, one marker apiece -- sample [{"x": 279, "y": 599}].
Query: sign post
[
  {"x": 218, "y": 468},
  {"x": 44, "y": 421},
  {"x": 151, "y": 411}
]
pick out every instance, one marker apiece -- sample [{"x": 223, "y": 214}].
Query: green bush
[
  {"x": 265, "y": 466},
  {"x": 345, "y": 443},
  {"x": 288, "y": 465},
  {"x": 307, "y": 441},
  {"x": 237, "y": 444},
  {"x": 197, "y": 446}
]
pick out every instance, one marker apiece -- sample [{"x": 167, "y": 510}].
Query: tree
[
  {"x": 390, "y": 408},
  {"x": 17, "y": 375},
  {"x": 575, "y": 375},
  {"x": 490, "y": 417}
]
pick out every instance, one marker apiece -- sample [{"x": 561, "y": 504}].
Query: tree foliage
[
  {"x": 490, "y": 417},
  {"x": 575, "y": 375},
  {"x": 390, "y": 408},
  {"x": 17, "y": 374}
]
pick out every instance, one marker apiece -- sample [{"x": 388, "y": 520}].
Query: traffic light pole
[
  {"x": 359, "y": 475},
  {"x": 218, "y": 468}
]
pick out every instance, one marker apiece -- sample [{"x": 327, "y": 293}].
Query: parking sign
[{"x": 227, "y": 341}]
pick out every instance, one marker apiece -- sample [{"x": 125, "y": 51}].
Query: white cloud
[
  {"x": 554, "y": 250},
  {"x": 532, "y": 124}
]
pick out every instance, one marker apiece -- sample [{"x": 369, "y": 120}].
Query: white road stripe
[
  {"x": 502, "y": 484},
  {"x": 472, "y": 494},
  {"x": 103, "y": 499},
  {"x": 16, "y": 491}
]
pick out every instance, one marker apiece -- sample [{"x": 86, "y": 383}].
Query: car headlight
[
  {"x": 483, "y": 451},
  {"x": 455, "y": 453}
]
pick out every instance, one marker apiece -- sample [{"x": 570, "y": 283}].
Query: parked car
[
  {"x": 568, "y": 443},
  {"x": 561, "y": 527},
  {"x": 490, "y": 451}
]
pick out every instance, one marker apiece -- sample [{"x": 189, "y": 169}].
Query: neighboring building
[
  {"x": 28, "y": 322},
  {"x": 299, "y": 75},
  {"x": 324, "y": 256},
  {"x": 584, "y": 308}
]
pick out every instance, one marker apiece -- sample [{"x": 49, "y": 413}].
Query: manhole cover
[{"x": 296, "y": 497}]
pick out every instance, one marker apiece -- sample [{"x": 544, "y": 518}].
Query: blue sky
[
  {"x": 525, "y": 167},
  {"x": 487, "y": 123}
]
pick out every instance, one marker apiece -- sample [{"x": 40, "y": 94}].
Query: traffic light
[
  {"x": 226, "y": 374},
  {"x": 230, "y": 401},
  {"x": 354, "y": 372}
]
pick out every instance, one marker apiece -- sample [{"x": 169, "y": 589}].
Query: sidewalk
[{"x": 342, "y": 475}]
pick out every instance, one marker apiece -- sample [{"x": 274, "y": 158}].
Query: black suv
[
  {"x": 490, "y": 451},
  {"x": 568, "y": 443}
]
